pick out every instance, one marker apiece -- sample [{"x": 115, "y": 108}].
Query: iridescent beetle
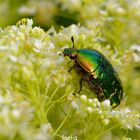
[{"x": 98, "y": 72}]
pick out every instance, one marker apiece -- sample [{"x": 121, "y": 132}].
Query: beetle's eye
[{"x": 73, "y": 55}]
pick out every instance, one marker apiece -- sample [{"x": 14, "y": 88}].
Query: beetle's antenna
[{"x": 72, "y": 39}]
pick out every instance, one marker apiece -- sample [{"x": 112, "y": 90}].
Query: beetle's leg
[
  {"x": 98, "y": 90},
  {"x": 69, "y": 62},
  {"x": 115, "y": 51},
  {"x": 81, "y": 82},
  {"x": 70, "y": 68},
  {"x": 74, "y": 66},
  {"x": 72, "y": 39}
]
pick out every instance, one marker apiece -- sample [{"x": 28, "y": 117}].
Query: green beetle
[{"x": 98, "y": 72}]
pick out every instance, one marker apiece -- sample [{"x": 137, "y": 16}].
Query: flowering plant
[{"x": 36, "y": 90}]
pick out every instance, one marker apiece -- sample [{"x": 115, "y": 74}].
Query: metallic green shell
[
  {"x": 99, "y": 73},
  {"x": 104, "y": 80}
]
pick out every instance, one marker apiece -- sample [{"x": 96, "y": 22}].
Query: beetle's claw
[
  {"x": 69, "y": 70},
  {"x": 69, "y": 62},
  {"x": 60, "y": 53},
  {"x": 75, "y": 94}
]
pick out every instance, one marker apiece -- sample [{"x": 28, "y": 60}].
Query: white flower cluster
[
  {"x": 16, "y": 115},
  {"x": 36, "y": 75},
  {"x": 136, "y": 52},
  {"x": 122, "y": 117}
]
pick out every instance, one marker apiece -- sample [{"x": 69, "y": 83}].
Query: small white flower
[
  {"x": 90, "y": 101},
  {"x": 27, "y": 10},
  {"x": 120, "y": 10},
  {"x": 2, "y": 47},
  {"x": 14, "y": 28},
  {"x": 94, "y": 105},
  {"x": 20, "y": 36},
  {"x": 127, "y": 110},
  {"x": 95, "y": 100},
  {"x": 29, "y": 22},
  {"x": 47, "y": 62},
  {"x": 36, "y": 50},
  {"x": 59, "y": 60},
  {"x": 26, "y": 73},
  {"x": 5, "y": 111},
  {"x": 74, "y": 105},
  {"x": 51, "y": 46},
  {"x": 51, "y": 31},
  {"x": 38, "y": 43},
  {"x": 89, "y": 109},
  {"x": 136, "y": 57},
  {"x": 74, "y": 29},
  {"x": 115, "y": 114},
  {"x": 46, "y": 128},
  {"x": 135, "y": 47},
  {"x": 100, "y": 112},
  {"x": 16, "y": 113},
  {"x": 105, "y": 122},
  {"x": 1, "y": 100},
  {"x": 137, "y": 126},
  {"x": 83, "y": 98},
  {"x": 70, "y": 97},
  {"x": 106, "y": 104},
  {"x": 12, "y": 58}
]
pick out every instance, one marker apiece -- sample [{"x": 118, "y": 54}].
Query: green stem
[
  {"x": 53, "y": 94},
  {"x": 58, "y": 100},
  {"x": 106, "y": 131},
  {"x": 55, "y": 133}
]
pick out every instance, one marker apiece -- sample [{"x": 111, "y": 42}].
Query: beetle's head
[{"x": 70, "y": 52}]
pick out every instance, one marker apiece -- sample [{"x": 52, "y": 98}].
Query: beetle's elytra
[{"x": 98, "y": 72}]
